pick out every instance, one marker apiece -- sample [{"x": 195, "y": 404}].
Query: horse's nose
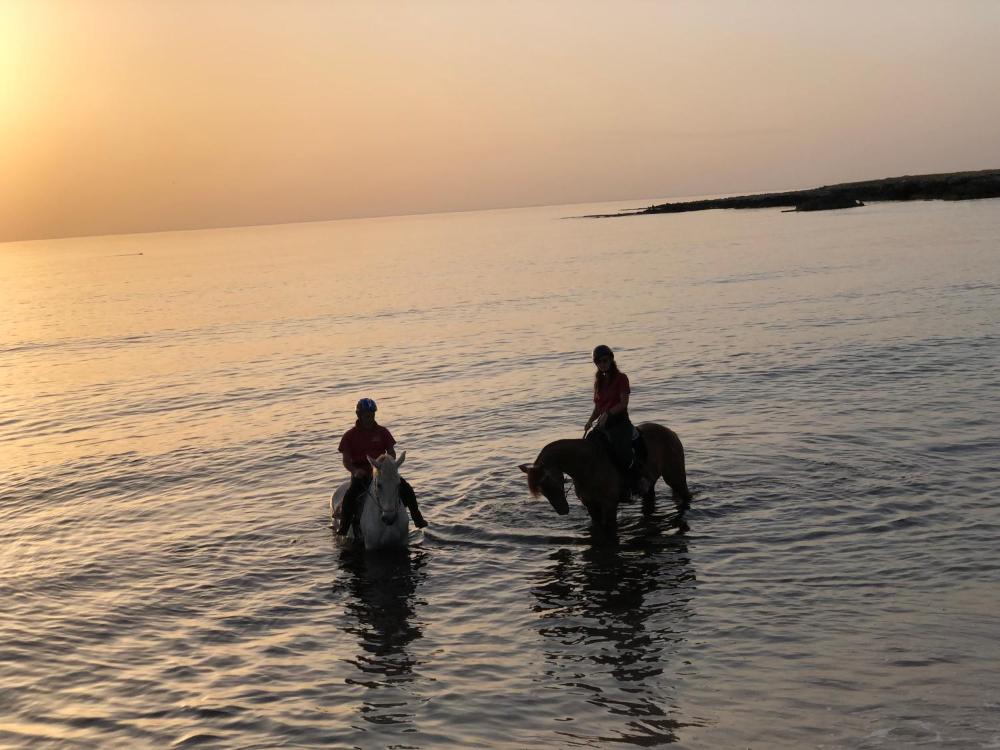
[{"x": 388, "y": 518}]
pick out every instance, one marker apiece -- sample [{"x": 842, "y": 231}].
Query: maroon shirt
[
  {"x": 359, "y": 444},
  {"x": 611, "y": 394}
]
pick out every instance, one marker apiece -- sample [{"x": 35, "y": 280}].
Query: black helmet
[
  {"x": 603, "y": 350},
  {"x": 366, "y": 404}
]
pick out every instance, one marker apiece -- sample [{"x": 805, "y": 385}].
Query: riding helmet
[
  {"x": 366, "y": 404},
  {"x": 603, "y": 350}
]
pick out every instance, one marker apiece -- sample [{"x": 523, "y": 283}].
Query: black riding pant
[{"x": 618, "y": 431}]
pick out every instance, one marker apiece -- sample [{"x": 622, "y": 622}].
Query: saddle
[{"x": 627, "y": 461}]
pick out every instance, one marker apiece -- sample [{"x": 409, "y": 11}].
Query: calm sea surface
[{"x": 170, "y": 407}]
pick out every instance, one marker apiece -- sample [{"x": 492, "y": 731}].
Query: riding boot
[
  {"x": 640, "y": 482},
  {"x": 346, "y": 516},
  {"x": 637, "y": 477},
  {"x": 348, "y": 508},
  {"x": 409, "y": 498},
  {"x": 637, "y": 472}
]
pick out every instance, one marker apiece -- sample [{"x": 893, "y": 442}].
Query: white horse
[{"x": 382, "y": 517}]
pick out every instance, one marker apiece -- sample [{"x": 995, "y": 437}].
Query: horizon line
[{"x": 220, "y": 227}]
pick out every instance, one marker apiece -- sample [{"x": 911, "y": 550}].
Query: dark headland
[{"x": 953, "y": 186}]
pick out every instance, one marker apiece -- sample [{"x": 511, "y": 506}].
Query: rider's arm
[
  {"x": 351, "y": 467},
  {"x": 593, "y": 416}
]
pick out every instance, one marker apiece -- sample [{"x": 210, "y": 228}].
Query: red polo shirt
[
  {"x": 611, "y": 394},
  {"x": 359, "y": 444}
]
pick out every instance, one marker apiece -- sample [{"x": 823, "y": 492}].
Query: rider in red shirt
[
  {"x": 361, "y": 443},
  {"x": 365, "y": 440},
  {"x": 610, "y": 414},
  {"x": 611, "y": 390}
]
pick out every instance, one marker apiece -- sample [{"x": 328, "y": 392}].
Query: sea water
[{"x": 171, "y": 404}]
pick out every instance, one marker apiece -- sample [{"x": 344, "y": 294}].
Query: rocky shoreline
[{"x": 952, "y": 186}]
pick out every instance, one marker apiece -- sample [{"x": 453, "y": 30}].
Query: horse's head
[
  {"x": 385, "y": 485},
  {"x": 549, "y": 482}
]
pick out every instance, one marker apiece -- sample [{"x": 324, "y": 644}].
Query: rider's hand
[{"x": 590, "y": 423}]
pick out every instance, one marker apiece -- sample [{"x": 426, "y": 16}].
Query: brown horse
[{"x": 598, "y": 484}]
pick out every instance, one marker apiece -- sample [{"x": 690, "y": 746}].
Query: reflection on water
[
  {"x": 168, "y": 433},
  {"x": 618, "y": 611},
  {"x": 382, "y": 600}
]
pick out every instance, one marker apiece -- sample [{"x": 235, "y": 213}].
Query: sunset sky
[{"x": 120, "y": 116}]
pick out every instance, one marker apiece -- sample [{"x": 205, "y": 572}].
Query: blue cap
[{"x": 366, "y": 404}]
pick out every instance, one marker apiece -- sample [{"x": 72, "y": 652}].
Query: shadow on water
[
  {"x": 383, "y": 602},
  {"x": 613, "y": 616}
]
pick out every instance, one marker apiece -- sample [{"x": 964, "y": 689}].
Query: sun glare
[{"x": 15, "y": 79}]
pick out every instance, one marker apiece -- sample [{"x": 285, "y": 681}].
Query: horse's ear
[
  {"x": 402, "y": 457},
  {"x": 526, "y": 467}
]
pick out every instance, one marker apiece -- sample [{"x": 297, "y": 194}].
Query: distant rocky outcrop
[
  {"x": 952, "y": 186},
  {"x": 828, "y": 202}
]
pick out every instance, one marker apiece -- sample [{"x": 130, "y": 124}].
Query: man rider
[{"x": 365, "y": 440}]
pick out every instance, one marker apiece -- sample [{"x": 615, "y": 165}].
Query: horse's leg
[
  {"x": 678, "y": 484},
  {"x": 649, "y": 501},
  {"x": 607, "y": 515},
  {"x": 603, "y": 515},
  {"x": 610, "y": 525},
  {"x": 604, "y": 527},
  {"x": 682, "y": 495}
]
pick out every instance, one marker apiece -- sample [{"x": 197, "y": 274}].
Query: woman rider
[
  {"x": 365, "y": 440},
  {"x": 610, "y": 415}
]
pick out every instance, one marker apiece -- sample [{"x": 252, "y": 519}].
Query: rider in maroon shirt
[
  {"x": 610, "y": 416},
  {"x": 365, "y": 440}
]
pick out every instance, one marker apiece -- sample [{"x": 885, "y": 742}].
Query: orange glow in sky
[{"x": 122, "y": 116}]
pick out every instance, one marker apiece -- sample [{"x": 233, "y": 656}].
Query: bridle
[{"x": 374, "y": 493}]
